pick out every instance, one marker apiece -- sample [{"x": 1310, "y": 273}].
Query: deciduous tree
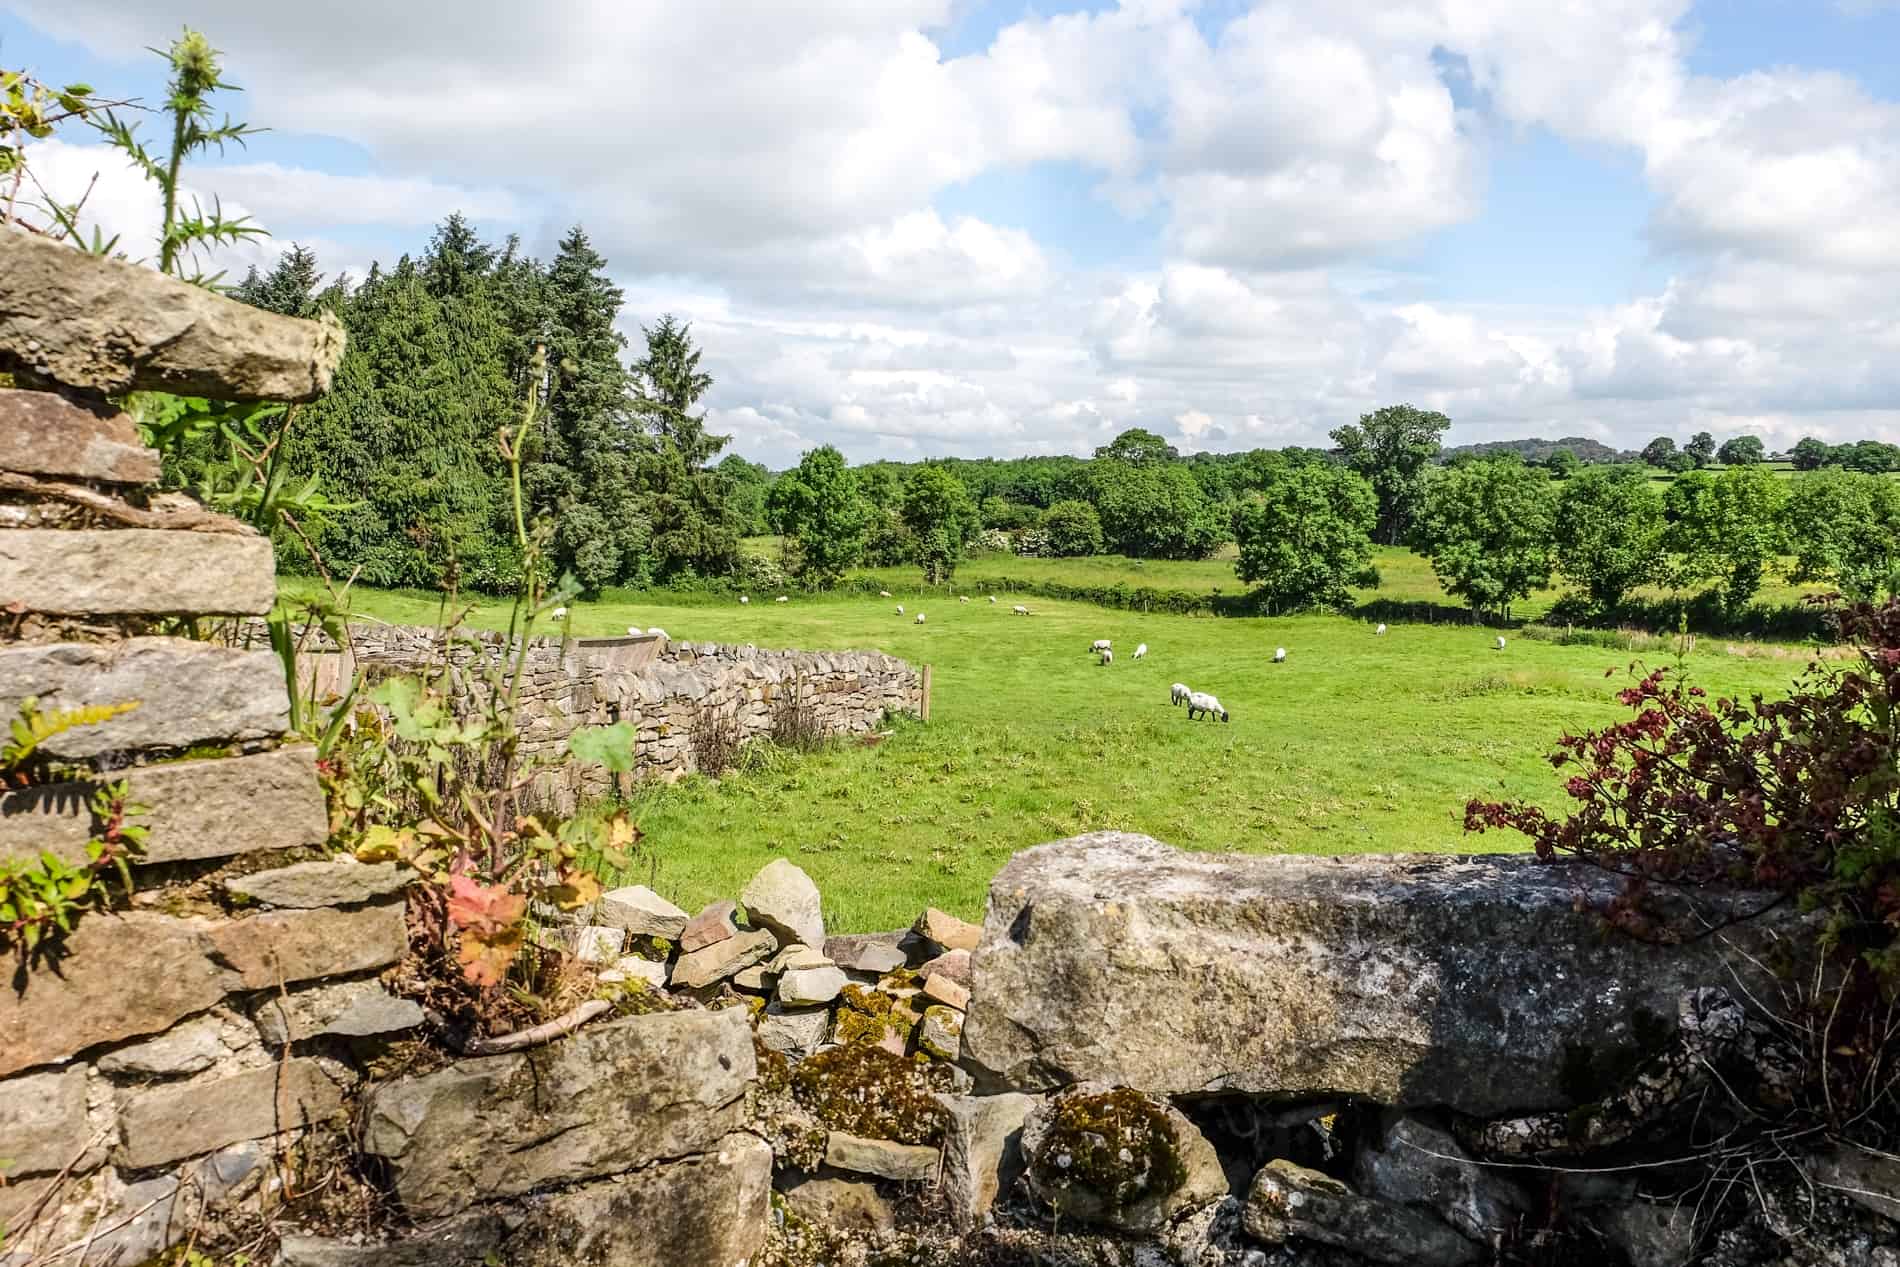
[
  {"x": 1305, "y": 537},
  {"x": 1391, "y": 447},
  {"x": 1486, "y": 526}
]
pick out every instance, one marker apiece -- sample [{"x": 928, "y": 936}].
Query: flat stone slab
[
  {"x": 354, "y": 1009},
  {"x": 43, "y": 433},
  {"x": 188, "y": 692},
  {"x": 110, "y": 326},
  {"x": 307, "y": 885},
  {"x": 722, "y": 959},
  {"x": 192, "y": 1047},
  {"x": 642, "y": 912},
  {"x": 174, "y": 1122},
  {"x": 1471, "y": 983},
  {"x": 909, "y": 1163},
  {"x": 138, "y": 572},
  {"x": 43, "y": 1120},
  {"x": 783, "y": 898},
  {"x": 285, "y": 947}
]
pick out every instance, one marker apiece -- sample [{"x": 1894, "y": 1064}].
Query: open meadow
[{"x": 1355, "y": 743}]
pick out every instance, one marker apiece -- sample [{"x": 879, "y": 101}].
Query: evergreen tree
[
  {"x": 457, "y": 261},
  {"x": 289, "y": 288},
  {"x": 670, "y": 384}
]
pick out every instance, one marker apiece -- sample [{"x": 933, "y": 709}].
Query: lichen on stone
[
  {"x": 1117, "y": 1144},
  {"x": 868, "y": 1091}
]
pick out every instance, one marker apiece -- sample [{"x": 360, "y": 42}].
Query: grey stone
[
  {"x": 782, "y": 897},
  {"x": 193, "y": 809},
  {"x": 797, "y": 955},
  {"x": 1869, "y": 1179},
  {"x": 93, "y": 998},
  {"x": 44, "y": 433},
  {"x": 946, "y": 931},
  {"x": 808, "y": 987},
  {"x": 1286, "y": 1200},
  {"x": 792, "y": 1032},
  {"x": 709, "y": 1210},
  {"x": 308, "y": 885},
  {"x": 175, "y": 1121},
  {"x": 718, "y": 922},
  {"x": 279, "y": 948},
  {"x": 187, "y": 692},
  {"x": 838, "y": 1203},
  {"x": 909, "y": 1163},
  {"x": 354, "y": 1009},
  {"x": 185, "y": 1049},
  {"x": 1464, "y": 982},
  {"x": 1650, "y": 1234},
  {"x": 722, "y": 959},
  {"x": 42, "y": 1121},
  {"x": 465, "y": 1238},
  {"x": 954, "y": 964},
  {"x": 633, "y": 967},
  {"x": 946, "y": 991},
  {"x": 758, "y": 977},
  {"x": 982, "y": 1151},
  {"x": 138, "y": 572},
  {"x": 1419, "y": 1165},
  {"x": 1047, "y": 1170},
  {"x": 869, "y": 953},
  {"x": 605, "y": 1099},
  {"x": 941, "y": 1034},
  {"x": 642, "y": 912},
  {"x": 109, "y": 326},
  {"x": 595, "y": 943}
]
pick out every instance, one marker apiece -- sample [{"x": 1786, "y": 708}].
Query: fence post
[{"x": 923, "y": 712}]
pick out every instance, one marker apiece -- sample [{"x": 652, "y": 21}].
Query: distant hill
[{"x": 1587, "y": 450}]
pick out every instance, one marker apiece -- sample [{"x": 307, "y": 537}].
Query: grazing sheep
[
  {"x": 560, "y": 613},
  {"x": 1380, "y": 630},
  {"x": 1020, "y": 610},
  {"x": 1178, "y": 693},
  {"x": 781, "y": 599},
  {"x": 883, "y": 593},
  {"x": 657, "y": 632},
  {"x": 900, "y": 609},
  {"x": 963, "y": 598},
  {"x": 992, "y": 598},
  {"x": 1205, "y": 704},
  {"x": 1500, "y": 643},
  {"x": 1101, "y": 644},
  {"x": 1108, "y": 657},
  {"x": 633, "y": 631},
  {"x": 920, "y": 618},
  {"x": 1141, "y": 650},
  {"x": 1279, "y": 655},
  {"x": 744, "y": 599}
]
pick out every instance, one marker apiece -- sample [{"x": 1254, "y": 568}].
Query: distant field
[{"x": 1356, "y": 743}]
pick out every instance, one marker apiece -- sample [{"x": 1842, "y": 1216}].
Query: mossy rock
[
  {"x": 1119, "y": 1158},
  {"x": 871, "y": 1092}
]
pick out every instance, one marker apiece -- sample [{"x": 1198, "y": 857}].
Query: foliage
[
  {"x": 1607, "y": 532},
  {"x": 1562, "y": 464},
  {"x": 1487, "y": 526},
  {"x": 1005, "y": 515},
  {"x": 1725, "y": 528},
  {"x": 819, "y": 508},
  {"x": 1072, "y": 529},
  {"x": 1305, "y": 538},
  {"x": 1660, "y": 452},
  {"x": 290, "y": 288},
  {"x": 1391, "y": 447},
  {"x": 1741, "y": 451},
  {"x": 32, "y": 110},
  {"x": 1701, "y": 449},
  {"x": 941, "y": 518},
  {"x": 1138, "y": 447},
  {"x": 1844, "y": 529},
  {"x": 1155, "y": 510},
  {"x": 1811, "y": 454}
]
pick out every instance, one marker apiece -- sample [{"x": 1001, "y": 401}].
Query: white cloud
[{"x": 282, "y": 195}]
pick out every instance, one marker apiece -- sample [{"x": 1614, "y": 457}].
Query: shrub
[{"x": 1073, "y": 529}]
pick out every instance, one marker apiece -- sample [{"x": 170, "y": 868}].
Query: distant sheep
[
  {"x": 1100, "y": 645},
  {"x": 1499, "y": 646},
  {"x": 1380, "y": 630},
  {"x": 560, "y": 613},
  {"x": 656, "y": 632},
  {"x": 1020, "y": 610},
  {"x": 992, "y": 598},
  {"x": 1178, "y": 693},
  {"x": 1206, "y": 705},
  {"x": 920, "y": 618},
  {"x": 900, "y": 609},
  {"x": 883, "y": 593},
  {"x": 781, "y": 599},
  {"x": 1141, "y": 650},
  {"x": 1108, "y": 657},
  {"x": 1279, "y": 655},
  {"x": 633, "y": 631},
  {"x": 744, "y": 599}
]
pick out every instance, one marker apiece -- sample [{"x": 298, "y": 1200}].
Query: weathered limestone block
[
  {"x": 308, "y": 885},
  {"x": 1468, "y": 982},
  {"x": 946, "y": 931},
  {"x": 464, "y": 1239},
  {"x": 840, "y": 1204},
  {"x": 782, "y": 897},
  {"x": 43, "y": 1121},
  {"x": 188, "y": 692},
  {"x": 794, "y": 1031},
  {"x": 109, "y": 326},
  {"x": 722, "y": 959},
  {"x": 908, "y": 1163},
  {"x": 1152, "y": 1163},
  {"x": 1418, "y": 1165},
  {"x": 607, "y": 1099},
  {"x": 285, "y": 947},
  {"x": 710, "y": 1209},
  {"x": 194, "y": 809},
  {"x": 355, "y": 1009},
  {"x": 809, "y": 987},
  {"x": 122, "y": 976},
  {"x": 138, "y": 572},
  {"x": 43, "y": 433},
  {"x": 642, "y": 912},
  {"x": 941, "y": 1034},
  {"x": 982, "y": 1151},
  {"x": 184, "y": 1049},
  {"x": 1291, "y": 1201},
  {"x": 717, "y": 922},
  {"x": 169, "y": 1123}
]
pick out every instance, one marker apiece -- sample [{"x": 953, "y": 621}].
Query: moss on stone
[
  {"x": 865, "y": 1090},
  {"x": 634, "y": 997},
  {"x": 866, "y": 1002},
  {"x": 1116, "y": 1144}
]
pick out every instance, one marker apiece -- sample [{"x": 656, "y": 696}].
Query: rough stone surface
[
  {"x": 633, "y": 967},
  {"x": 782, "y": 898},
  {"x": 946, "y": 991},
  {"x": 285, "y": 947},
  {"x": 797, "y": 955},
  {"x": 185, "y": 1049},
  {"x": 1419, "y": 1165},
  {"x": 188, "y": 692},
  {"x": 42, "y": 1120},
  {"x": 707, "y": 1211},
  {"x": 44, "y": 433},
  {"x": 169, "y": 1123},
  {"x": 1867, "y": 1178},
  {"x": 194, "y": 809},
  {"x": 1203, "y": 1181},
  {"x": 606, "y": 1099},
  {"x": 138, "y": 572},
  {"x": 718, "y": 922},
  {"x": 1650, "y": 1234},
  {"x": 92, "y": 998},
  {"x": 722, "y": 959},
  {"x": 982, "y": 1151},
  {"x": 954, "y": 964},
  {"x": 839, "y": 1203},
  {"x": 466, "y": 1238},
  {"x": 868, "y": 953},
  {"x": 597, "y": 943},
  {"x": 794, "y": 1032},
  {"x": 1471, "y": 983},
  {"x": 941, "y": 1034},
  {"x": 355, "y": 1009},
  {"x": 809, "y": 987},
  {"x": 109, "y": 326},
  {"x": 307, "y": 885},
  {"x": 909, "y": 1163},
  {"x": 947, "y": 931},
  {"x": 642, "y": 912},
  {"x": 1287, "y": 1200}
]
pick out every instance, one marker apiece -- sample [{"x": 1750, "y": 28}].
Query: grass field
[{"x": 1356, "y": 743}]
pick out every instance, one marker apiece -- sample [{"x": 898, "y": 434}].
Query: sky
[{"x": 987, "y": 227}]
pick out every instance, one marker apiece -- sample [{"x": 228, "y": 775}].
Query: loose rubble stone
[
  {"x": 722, "y": 959},
  {"x": 872, "y": 953},
  {"x": 605, "y": 1099},
  {"x": 306, "y": 885},
  {"x": 1420, "y": 980},
  {"x": 596, "y": 943},
  {"x": 1287, "y": 1200},
  {"x": 718, "y": 922},
  {"x": 138, "y": 572},
  {"x": 758, "y": 977},
  {"x": 169, "y": 1123},
  {"x": 43, "y": 1121},
  {"x": 109, "y": 326},
  {"x": 1169, "y": 1175},
  {"x": 642, "y": 912},
  {"x": 941, "y": 1034},
  {"x": 188, "y": 692},
  {"x": 190, "y": 1048},
  {"x": 194, "y": 809},
  {"x": 839, "y": 1203},
  {"x": 954, "y": 964},
  {"x": 355, "y": 1009},
  {"x": 946, "y": 991},
  {"x": 285, "y": 947},
  {"x": 910, "y": 1163},
  {"x": 635, "y": 968},
  {"x": 797, "y": 955},
  {"x": 466, "y": 1238},
  {"x": 947, "y": 932},
  {"x": 1419, "y": 1165},
  {"x": 1650, "y": 1234},
  {"x": 794, "y": 1031},
  {"x": 1866, "y": 1178},
  {"x": 982, "y": 1151},
  {"x": 45, "y": 433},
  {"x": 808, "y": 987},
  {"x": 782, "y": 897},
  {"x": 710, "y": 1209}
]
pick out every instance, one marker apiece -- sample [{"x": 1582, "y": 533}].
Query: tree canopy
[
  {"x": 1391, "y": 447},
  {"x": 1607, "y": 532},
  {"x": 1486, "y": 526},
  {"x": 1306, "y": 538}
]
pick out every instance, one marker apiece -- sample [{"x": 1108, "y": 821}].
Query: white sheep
[
  {"x": 883, "y": 593},
  {"x": 781, "y": 599},
  {"x": 1279, "y": 655},
  {"x": 560, "y": 613},
  {"x": 920, "y": 618},
  {"x": 1205, "y": 704},
  {"x": 1141, "y": 650},
  {"x": 1500, "y": 643},
  {"x": 744, "y": 599},
  {"x": 1108, "y": 657},
  {"x": 1380, "y": 630},
  {"x": 1178, "y": 693},
  {"x": 963, "y": 598},
  {"x": 633, "y": 631},
  {"x": 656, "y": 632},
  {"x": 1100, "y": 645},
  {"x": 1020, "y": 610},
  {"x": 992, "y": 598},
  {"x": 900, "y": 609}
]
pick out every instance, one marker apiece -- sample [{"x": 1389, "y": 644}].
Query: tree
[
  {"x": 1391, "y": 448},
  {"x": 1306, "y": 537},
  {"x": 1073, "y": 528},
  {"x": 1741, "y": 451},
  {"x": 668, "y": 384},
  {"x": 1486, "y": 526},
  {"x": 1811, "y": 454},
  {"x": 1155, "y": 510},
  {"x": 1660, "y": 452},
  {"x": 1563, "y": 464},
  {"x": 822, "y": 511},
  {"x": 1724, "y": 528},
  {"x": 1138, "y": 448},
  {"x": 1875, "y": 457},
  {"x": 1701, "y": 449},
  {"x": 457, "y": 260},
  {"x": 1007, "y": 515},
  {"x": 1844, "y": 530},
  {"x": 747, "y": 486},
  {"x": 941, "y": 517},
  {"x": 289, "y": 288},
  {"x": 1607, "y": 533}
]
